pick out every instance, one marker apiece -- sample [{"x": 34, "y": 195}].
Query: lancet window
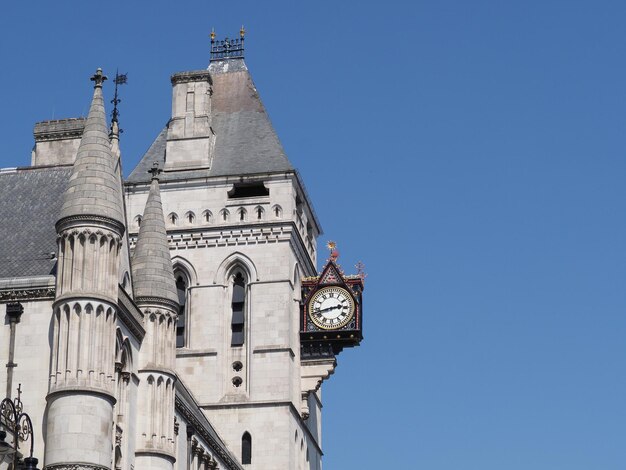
[
  {"x": 238, "y": 310},
  {"x": 182, "y": 283}
]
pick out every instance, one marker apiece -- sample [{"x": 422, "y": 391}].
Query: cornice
[
  {"x": 147, "y": 301},
  {"x": 130, "y": 314},
  {"x": 191, "y": 76},
  {"x": 90, "y": 219}
]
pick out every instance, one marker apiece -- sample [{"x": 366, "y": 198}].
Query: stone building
[{"x": 155, "y": 322}]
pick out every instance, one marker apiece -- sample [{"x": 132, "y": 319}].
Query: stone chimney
[
  {"x": 56, "y": 142},
  {"x": 189, "y": 136}
]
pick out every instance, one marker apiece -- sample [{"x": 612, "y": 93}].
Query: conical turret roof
[
  {"x": 94, "y": 189},
  {"x": 153, "y": 275}
]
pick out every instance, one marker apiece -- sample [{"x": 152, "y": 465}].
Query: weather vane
[{"x": 120, "y": 79}]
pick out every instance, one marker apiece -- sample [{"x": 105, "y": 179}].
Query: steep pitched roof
[
  {"x": 94, "y": 187},
  {"x": 153, "y": 275},
  {"x": 245, "y": 140},
  {"x": 31, "y": 202}
]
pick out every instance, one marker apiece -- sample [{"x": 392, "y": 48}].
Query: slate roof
[
  {"x": 153, "y": 275},
  {"x": 245, "y": 140},
  {"x": 31, "y": 202},
  {"x": 94, "y": 187}
]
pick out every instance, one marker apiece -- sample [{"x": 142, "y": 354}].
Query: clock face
[{"x": 331, "y": 308}]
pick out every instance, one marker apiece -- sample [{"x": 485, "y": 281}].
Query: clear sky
[{"x": 470, "y": 153}]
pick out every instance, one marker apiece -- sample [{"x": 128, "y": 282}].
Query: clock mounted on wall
[{"x": 331, "y": 308}]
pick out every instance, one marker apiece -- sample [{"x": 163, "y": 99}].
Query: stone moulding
[
  {"x": 130, "y": 314},
  {"x": 59, "y": 130},
  {"x": 156, "y": 301},
  {"x": 193, "y": 76},
  {"x": 67, "y": 223},
  {"x": 75, "y": 466}
]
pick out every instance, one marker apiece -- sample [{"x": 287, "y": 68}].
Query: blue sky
[{"x": 471, "y": 154}]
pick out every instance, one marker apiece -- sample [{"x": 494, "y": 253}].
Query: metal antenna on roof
[{"x": 120, "y": 79}]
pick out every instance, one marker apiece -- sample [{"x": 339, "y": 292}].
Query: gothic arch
[
  {"x": 246, "y": 448},
  {"x": 190, "y": 218},
  {"x": 277, "y": 211},
  {"x": 172, "y": 218},
  {"x": 207, "y": 216},
  {"x": 181, "y": 264},
  {"x": 236, "y": 259}
]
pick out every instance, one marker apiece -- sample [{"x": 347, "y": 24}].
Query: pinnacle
[
  {"x": 94, "y": 187},
  {"x": 153, "y": 275}
]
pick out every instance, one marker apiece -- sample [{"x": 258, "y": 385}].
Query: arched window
[
  {"x": 259, "y": 212},
  {"x": 181, "y": 288},
  {"x": 172, "y": 219},
  {"x": 278, "y": 211},
  {"x": 207, "y": 216},
  {"x": 242, "y": 214},
  {"x": 238, "y": 307},
  {"x": 190, "y": 217},
  {"x": 246, "y": 448}
]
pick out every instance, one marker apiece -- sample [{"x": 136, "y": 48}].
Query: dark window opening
[
  {"x": 238, "y": 305},
  {"x": 257, "y": 189},
  {"x": 181, "y": 288},
  {"x": 259, "y": 213},
  {"x": 246, "y": 448}
]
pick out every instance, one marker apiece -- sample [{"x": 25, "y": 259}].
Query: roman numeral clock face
[{"x": 331, "y": 308}]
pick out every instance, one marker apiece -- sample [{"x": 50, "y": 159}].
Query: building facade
[{"x": 156, "y": 321}]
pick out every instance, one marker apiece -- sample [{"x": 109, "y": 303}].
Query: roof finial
[
  {"x": 360, "y": 270},
  {"x": 155, "y": 171},
  {"x": 98, "y": 78},
  {"x": 227, "y": 48},
  {"x": 332, "y": 247}
]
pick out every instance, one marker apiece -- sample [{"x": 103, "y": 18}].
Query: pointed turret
[
  {"x": 153, "y": 275},
  {"x": 156, "y": 296},
  {"x": 94, "y": 187},
  {"x": 82, "y": 370}
]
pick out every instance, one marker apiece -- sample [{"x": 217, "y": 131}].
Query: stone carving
[
  {"x": 25, "y": 294},
  {"x": 74, "y": 466}
]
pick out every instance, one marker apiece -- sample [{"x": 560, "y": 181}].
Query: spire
[
  {"x": 153, "y": 276},
  {"x": 94, "y": 188}
]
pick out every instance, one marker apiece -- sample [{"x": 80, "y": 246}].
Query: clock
[{"x": 331, "y": 307}]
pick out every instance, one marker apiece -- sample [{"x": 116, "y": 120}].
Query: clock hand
[{"x": 328, "y": 309}]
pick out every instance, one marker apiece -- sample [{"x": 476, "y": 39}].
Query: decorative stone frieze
[
  {"x": 27, "y": 294},
  {"x": 75, "y": 466}
]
